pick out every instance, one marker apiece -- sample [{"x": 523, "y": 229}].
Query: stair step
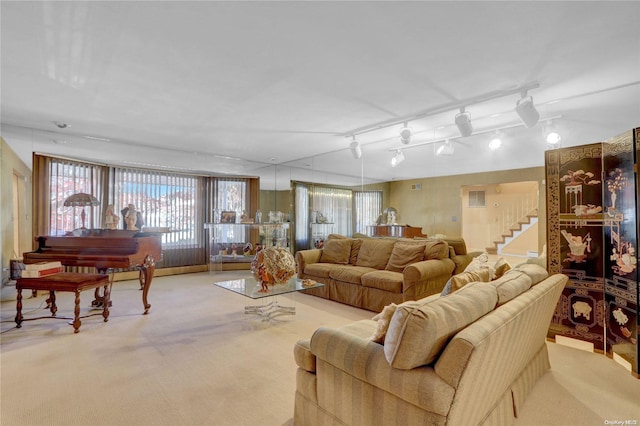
[{"x": 492, "y": 250}]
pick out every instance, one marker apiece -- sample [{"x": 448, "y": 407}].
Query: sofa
[
  {"x": 370, "y": 273},
  {"x": 468, "y": 358}
]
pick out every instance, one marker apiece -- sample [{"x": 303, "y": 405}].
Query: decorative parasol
[{"x": 81, "y": 200}]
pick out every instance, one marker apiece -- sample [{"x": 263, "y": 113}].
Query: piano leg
[{"x": 146, "y": 275}]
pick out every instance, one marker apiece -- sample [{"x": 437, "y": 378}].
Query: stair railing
[{"x": 511, "y": 216}]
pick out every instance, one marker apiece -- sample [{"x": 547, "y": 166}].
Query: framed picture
[{"x": 228, "y": 217}]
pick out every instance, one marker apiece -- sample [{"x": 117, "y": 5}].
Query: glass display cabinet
[{"x": 233, "y": 245}]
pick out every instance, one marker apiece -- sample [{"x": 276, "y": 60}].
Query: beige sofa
[
  {"x": 467, "y": 358},
  {"x": 371, "y": 273}
]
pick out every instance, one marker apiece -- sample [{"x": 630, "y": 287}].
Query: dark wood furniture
[
  {"x": 404, "y": 231},
  {"x": 64, "y": 281},
  {"x": 104, "y": 250}
]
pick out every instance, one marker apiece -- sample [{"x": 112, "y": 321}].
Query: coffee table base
[{"x": 270, "y": 310}]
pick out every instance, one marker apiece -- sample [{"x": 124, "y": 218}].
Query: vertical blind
[
  {"x": 368, "y": 206},
  {"x": 336, "y": 205}
]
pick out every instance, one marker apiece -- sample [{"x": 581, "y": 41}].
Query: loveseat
[
  {"x": 371, "y": 273},
  {"x": 467, "y": 358}
]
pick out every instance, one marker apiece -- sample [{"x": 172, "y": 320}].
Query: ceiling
[{"x": 277, "y": 89}]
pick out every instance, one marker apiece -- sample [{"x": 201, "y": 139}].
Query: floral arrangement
[{"x": 273, "y": 265}]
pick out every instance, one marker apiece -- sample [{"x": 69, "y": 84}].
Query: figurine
[
  {"x": 132, "y": 218},
  {"x": 110, "y": 218}
]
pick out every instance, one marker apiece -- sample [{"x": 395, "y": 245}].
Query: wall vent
[{"x": 416, "y": 187}]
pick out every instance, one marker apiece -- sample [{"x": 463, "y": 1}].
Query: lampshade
[
  {"x": 463, "y": 122},
  {"x": 81, "y": 199}
]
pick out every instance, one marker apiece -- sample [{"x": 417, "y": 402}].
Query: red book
[{"x": 41, "y": 273}]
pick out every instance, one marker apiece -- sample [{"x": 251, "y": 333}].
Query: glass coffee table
[{"x": 250, "y": 288}]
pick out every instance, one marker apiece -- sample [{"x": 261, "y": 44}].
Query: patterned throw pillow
[{"x": 460, "y": 280}]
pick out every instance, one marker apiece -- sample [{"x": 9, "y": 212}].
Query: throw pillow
[
  {"x": 447, "y": 288},
  {"x": 336, "y": 251},
  {"x": 460, "y": 280},
  {"x": 375, "y": 252},
  {"x": 501, "y": 267},
  {"x": 436, "y": 249},
  {"x": 481, "y": 261},
  {"x": 383, "y": 318},
  {"x": 404, "y": 255}
]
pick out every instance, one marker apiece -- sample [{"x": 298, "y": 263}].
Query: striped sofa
[{"x": 467, "y": 358}]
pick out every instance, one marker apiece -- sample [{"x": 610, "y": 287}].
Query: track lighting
[
  {"x": 398, "y": 158},
  {"x": 356, "y": 151},
  {"x": 527, "y": 111},
  {"x": 445, "y": 149},
  {"x": 463, "y": 122},
  {"x": 551, "y": 134},
  {"x": 405, "y": 134},
  {"x": 495, "y": 142}
]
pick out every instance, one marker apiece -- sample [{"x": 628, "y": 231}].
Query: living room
[{"x": 286, "y": 94}]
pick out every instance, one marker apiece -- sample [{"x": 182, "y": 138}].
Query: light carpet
[{"x": 197, "y": 359}]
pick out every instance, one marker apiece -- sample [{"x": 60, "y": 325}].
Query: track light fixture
[
  {"x": 551, "y": 134},
  {"x": 527, "y": 111},
  {"x": 463, "y": 122},
  {"x": 405, "y": 134},
  {"x": 495, "y": 142},
  {"x": 356, "y": 151},
  {"x": 398, "y": 158},
  {"x": 446, "y": 148}
]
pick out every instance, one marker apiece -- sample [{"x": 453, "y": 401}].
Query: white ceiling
[{"x": 278, "y": 88}]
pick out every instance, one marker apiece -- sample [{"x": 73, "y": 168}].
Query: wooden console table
[{"x": 64, "y": 281}]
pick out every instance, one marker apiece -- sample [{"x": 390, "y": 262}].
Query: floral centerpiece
[{"x": 271, "y": 266}]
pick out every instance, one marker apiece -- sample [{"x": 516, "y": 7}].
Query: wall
[
  {"x": 11, "y": 164},
  {"x": 437, "y": 207}
]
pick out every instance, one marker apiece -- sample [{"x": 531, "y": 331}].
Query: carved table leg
[
  {"x": 19, "y": 309},
  {"x": 147, "y": 269},
  {"x": 76, "y": 311},
  {"x": 52, "y": 301},
  {"x": 107, "y": 300}
]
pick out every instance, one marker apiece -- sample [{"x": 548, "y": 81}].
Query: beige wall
[
  {"x": 437, "y": 207},
  {"x": 10, "y": 165}
]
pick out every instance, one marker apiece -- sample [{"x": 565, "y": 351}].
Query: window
[
  {"x": 368, "y": 206},
  {"x": 476, "y": 199}
]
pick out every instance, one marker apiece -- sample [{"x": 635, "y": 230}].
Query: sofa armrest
[
  {"x": 305, "y": 359},
  {"x": 363, "y": 359},
  {"x": 304, "y": 257},
  {"x": 419, "y": 275}
]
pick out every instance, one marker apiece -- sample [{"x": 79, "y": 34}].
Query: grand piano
[{"x": 103, "y": 249}]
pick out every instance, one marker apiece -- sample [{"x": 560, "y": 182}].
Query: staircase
[{"x": 513, "y": 231}]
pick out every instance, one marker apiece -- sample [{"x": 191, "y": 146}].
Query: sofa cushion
[
  {"x": 336, "y": 251},
  {"x": 436, "y": 249},
  {"x": 320, "y": 270},
  {"x": 355, "y": 249},
  {"x": 384, "y": 280},
  {"x": 537, "y": 273},
  {"x": 510, "y": 285},
  {"x": 375, "y": 252},
  {"x": 419, "y": 331},
  {"x": 383, "y": 319},
  {"x": 349, "y": 274},
  {"x": 458, "y": 244},
  {"x": 404, "y": 255}
]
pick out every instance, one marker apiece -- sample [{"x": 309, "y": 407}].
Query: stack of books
[{"x": 41, "y": 269}]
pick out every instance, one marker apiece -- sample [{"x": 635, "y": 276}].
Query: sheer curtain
[
  {"x": 368, "y": 206},
  {"x": 301, "y": 216},
  {"x": 336, "y": 205}
]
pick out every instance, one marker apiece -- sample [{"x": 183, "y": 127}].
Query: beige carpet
[{"x": 196, "y": 359}]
